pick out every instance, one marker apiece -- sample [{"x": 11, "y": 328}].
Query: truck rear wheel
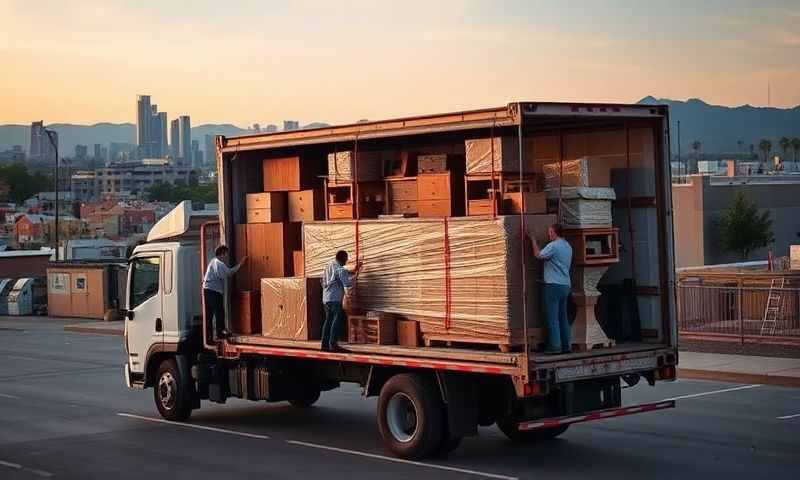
[
  {"x": 411, "y": 416},
  {"x": 509, "y": 428},
  {"x": 174, "y": 403}
]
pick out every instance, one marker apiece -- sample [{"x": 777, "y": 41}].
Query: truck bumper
[{"x": 594, "y": 415}]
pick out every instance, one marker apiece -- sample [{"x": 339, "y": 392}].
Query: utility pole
[
  {"x": 679, "y": 147},
  {"x": 55, "y": 147}
]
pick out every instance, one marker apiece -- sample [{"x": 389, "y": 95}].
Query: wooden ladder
[{"x": 772, "y": 310}]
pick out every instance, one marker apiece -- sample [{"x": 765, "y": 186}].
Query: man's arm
[
  {"x": 232, "y": 271},
  {"x": 344, "y": 277}
]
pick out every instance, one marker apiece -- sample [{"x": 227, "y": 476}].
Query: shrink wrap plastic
[
  {"x": 584, "y": 206},
  {"x": 290, "y": 308},
  {"x": 406, "y": 269},
  {"x": 575, "y": 173},
  {"x": 479, "y": 155},
  {"x": 370, "y": 165}
]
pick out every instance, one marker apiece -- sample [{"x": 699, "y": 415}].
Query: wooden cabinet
[
  {"x": 434, "y": 186},
  {"x": 266, "y": 207},
  {"x": 269, "y": 248},
  {"x": 306, "y": 206},
  {"x": 243, "y": 279},
  {"x": 482, "y": 206},
  {"x": 285, "y": 175},
  {"x": 534, "y": 202},
  {"x": 402, "y": 194},
  {"x": 593, "y": 246},
  {"x": 340, "y": 200}
]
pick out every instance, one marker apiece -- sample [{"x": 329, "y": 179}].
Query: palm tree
[
  {"x": 696, "y": 145},
  {"x": 785, "y": 143},
  {"x": 766, "y": 147},
  {"x": 752, "y": 151},
  {"x": 796, "y": 147}
]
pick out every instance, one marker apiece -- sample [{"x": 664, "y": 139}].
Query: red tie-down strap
[{"x": 447, "y": 293}]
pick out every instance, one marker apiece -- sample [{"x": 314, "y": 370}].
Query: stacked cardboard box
[{"x": 291, "y": 308}]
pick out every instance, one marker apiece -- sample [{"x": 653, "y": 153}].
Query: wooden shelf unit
[
  {"x": 340, "y": 204},
  {"x": 594, "y": 246},
  {"x": 485, "y": 194}
]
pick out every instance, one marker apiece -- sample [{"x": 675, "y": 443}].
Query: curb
[
  {"x": 94, "y": 330},
  {"x": 737, "y": 377}
]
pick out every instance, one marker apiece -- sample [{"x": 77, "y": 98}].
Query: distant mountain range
[
  {"x": 718, "y": 128},
  {"x": 70, "y": 135}
]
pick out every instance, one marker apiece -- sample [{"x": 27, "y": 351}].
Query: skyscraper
[
  {"x": 158, "y": 134},
  {"x": 197, "y": 155},
  {"x": 81, "y": 152},
  {"x": 41, "y": 148},
  {"x": 98, "y": 151},
  {"x": 144, "y": 129},
  {"x": 185, "y": 137},
  {"x": 290, "y": 125},
  {"x": 175, "y": 139},
  {"x": 210, "y": 155}
]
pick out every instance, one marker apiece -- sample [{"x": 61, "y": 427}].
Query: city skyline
[{"x": 383, "y": 66}]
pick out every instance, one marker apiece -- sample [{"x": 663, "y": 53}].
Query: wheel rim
[
  {"x": 167, "y": 387},
  {"x": 401, "y": 417}
]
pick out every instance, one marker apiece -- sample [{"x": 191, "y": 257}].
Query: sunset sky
[{"x": 260, "y": 61}]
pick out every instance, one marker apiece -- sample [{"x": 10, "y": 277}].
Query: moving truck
[{"x": 432, "y": 393}]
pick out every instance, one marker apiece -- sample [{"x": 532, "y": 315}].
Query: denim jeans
[
  {"x": 215, "y": 308},
  {"x": 334, "y": 320},
  {"x": 555, "y": 307}
]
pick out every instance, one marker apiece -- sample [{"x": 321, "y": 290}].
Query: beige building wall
[{"x": 687, "y": 207}]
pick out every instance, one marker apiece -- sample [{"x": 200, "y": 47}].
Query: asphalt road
[{"x": 65, "y": 413}]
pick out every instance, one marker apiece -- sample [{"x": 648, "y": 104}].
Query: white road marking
[
  {"x": 400, "y": 460},
  {"x": 5, "y": 395},
  {"x": 787, "y": 417},
  {"x": 713, "y": 392},
  {"x": 17, "y": 466},
  {"x": 198, "y": 427},
  {"x": 323, "y": 447}
]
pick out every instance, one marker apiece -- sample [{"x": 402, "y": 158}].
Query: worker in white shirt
[
  {"x": 214, "y": 288},
  {"x": 335, "y": 280}
]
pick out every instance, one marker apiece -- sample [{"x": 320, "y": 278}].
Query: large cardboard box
[
  {"x": 291, "y": 308},
  {"x": 481, "y": 153},
  {"x": 409, "y": 265}
]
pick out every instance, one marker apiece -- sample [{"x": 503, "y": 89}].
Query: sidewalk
[
  {"x": 739, "y": 368},
  {"x": 99, "y": 328}
]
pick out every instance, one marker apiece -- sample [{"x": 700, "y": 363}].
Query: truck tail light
[
  {"x": 666, "y": 373},
  {"x": 532, "y": 389}
]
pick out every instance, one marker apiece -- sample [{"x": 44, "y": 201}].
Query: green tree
[
  {"x": 785, "y": 143},
  {"x": 742, "y": 229},
  {"x": 766, "y": 147},
  {"x": 163, "y": 192},
  {"x": 22, "y": 184}
]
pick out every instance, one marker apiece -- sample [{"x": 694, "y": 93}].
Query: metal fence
[{"x": 738, "y": 314}]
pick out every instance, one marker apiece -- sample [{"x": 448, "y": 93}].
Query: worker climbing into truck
[
  {"x": 335, "y": 280},
  {"x": 557, "y": 257},
  {"x": 214, "y": 289}
]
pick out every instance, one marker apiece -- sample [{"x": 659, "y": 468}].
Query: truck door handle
[{"x": 158, "y": 325}]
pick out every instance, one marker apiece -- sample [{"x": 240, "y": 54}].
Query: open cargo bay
[{"x": 601, "y": 170}]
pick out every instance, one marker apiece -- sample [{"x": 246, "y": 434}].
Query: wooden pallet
[
  {"x": 585, "y": 347},
  {"x": 455, "y": 341}
]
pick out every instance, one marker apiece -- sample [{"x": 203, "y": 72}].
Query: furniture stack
[
  {"x": 351, "y": 174},
  {"x": 586, "y": 217},
  {"x": 493, "y": 183},
  {"x": 271, "y": 237}
]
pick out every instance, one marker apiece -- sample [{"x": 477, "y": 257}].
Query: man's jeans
[
  {"x": 331, "y": 329},
  {"x": 555, "y": 306}
]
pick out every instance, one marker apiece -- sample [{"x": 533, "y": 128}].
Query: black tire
[
  {"x": 308, "y": 399},
  {"x": 509, "y": 428},
  {"x": 411, "y": 416},
  {"x": 449, "y": 445},
  {"x": 172, "y": 399}
]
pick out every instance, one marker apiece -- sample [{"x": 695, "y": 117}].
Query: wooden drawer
[
  {"x": 405, "y": 189},
  {"x": 434, "y": 186},
  {"x": 479, "y": 207},
  {"x": 435, "y": 208},
  {"x": 306, "y": 206},
  {"x": 265, "y": 215},
  {"x": 274, "y": 200},
  {"x": 380, "y": 331},
  {"x": 338, "y": 211},
  {"x": 399, "y": 207}
]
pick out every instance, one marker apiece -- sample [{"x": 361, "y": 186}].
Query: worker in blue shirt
[
  {"x": 335, "y": 279},
  {"x": 557, "y": 257}
]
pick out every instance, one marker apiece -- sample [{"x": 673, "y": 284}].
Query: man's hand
[{"x": 244, "y": 260}]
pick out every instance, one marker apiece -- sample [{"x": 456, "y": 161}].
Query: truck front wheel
[
  {"x": 172, "y": 398},
  {"x": 411, "y": 416}
]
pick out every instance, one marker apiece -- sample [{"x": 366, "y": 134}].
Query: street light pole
[
  {"x": 680, "y": 164},
  {"x": 55, "y": 147}
]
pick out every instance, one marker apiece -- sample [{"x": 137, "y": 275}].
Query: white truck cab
[{"x": 163, "y": 309}]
